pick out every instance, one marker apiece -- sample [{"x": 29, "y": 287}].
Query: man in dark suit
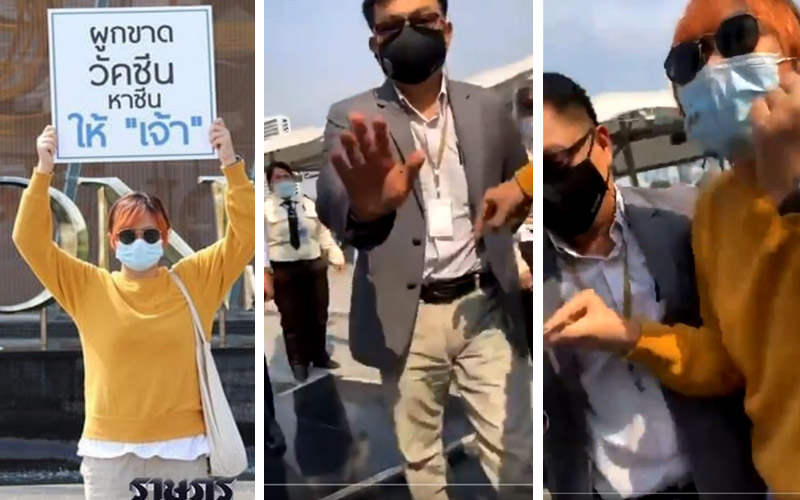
[
  {"x": 614, "y": 431},
  {"x": 430, "y": 304}
]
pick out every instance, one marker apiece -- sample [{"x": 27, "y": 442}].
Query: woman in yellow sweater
[
  {"x": 733, "y": 67},
  {"x": 143, "y": 410}
]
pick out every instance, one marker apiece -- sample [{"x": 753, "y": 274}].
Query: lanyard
[{"x": 436, "y": 166}]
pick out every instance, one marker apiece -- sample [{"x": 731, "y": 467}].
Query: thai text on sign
[{"x": 132, "y": 84}]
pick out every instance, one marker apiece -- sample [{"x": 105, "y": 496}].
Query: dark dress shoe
[
  {"x": 326, "y": 363},
  {"x": 300, "y": 373}
]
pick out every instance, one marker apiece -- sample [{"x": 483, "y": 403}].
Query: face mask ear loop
[{"x": 589, "y": 156}]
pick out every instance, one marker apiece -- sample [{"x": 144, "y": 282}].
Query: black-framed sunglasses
[
  {"x": 736, "y": 36},
  {"x": 430, "y": 20},
  {"x": 558, "y": 163},
  {"x": 149, "y": 235}
]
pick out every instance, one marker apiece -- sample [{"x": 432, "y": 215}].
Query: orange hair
[
  {"x": 126, "y": 210},
  {"x": 781, "y": 17}
]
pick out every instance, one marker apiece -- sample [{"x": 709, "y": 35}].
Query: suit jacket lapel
[
  {"x": 646, "y": 225},
  {"x": 392, "y": 111},
  {"x": 466, "y": 115}
]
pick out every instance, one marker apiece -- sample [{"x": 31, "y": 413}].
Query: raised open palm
[{"x": 376, "y": 183}]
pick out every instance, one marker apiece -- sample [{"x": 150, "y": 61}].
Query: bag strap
[{"x": 198, "y": 325}]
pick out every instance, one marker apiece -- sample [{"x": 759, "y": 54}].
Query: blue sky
[
  {"x": 316, "y": 52},
  {"x": 607, "y": 46}
]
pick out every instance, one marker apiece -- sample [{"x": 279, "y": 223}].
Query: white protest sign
[{"x": 132, "y": 84}]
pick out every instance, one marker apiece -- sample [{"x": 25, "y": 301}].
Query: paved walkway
[
  {"x": 279, "y": 371},
  {"x": 242, "y": 490}
]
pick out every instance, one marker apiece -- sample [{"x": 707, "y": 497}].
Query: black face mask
[
  {"x": 412, "y": 54},
  {"x": 572, "y": 198}
]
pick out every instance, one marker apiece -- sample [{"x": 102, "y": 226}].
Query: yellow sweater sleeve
[
  {"x": 211, "y": 272},
  {"x": 64, "y": 276},
  {"x": 524, "y": 178},
  {"x": 691, "y": 361}
]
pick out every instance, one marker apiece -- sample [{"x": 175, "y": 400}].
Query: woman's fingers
[{"x": 570, "y": 312}]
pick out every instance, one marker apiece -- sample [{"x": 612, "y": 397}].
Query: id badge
[{"x": 440, "y": 218}]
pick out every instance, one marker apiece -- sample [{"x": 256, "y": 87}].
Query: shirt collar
[
  {"x": 617, "y": 233},
  {"x": 442, "y": 97}
]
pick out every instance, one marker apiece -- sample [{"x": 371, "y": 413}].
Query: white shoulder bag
[{"x": 228, "y": 457}]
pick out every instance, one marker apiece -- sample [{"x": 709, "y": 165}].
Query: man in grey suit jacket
[
  {"x": 613, "y": 431},
  {"x": 430, "y": 304}
]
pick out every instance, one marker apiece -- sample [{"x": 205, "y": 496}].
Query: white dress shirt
[
  {"x": 455, "y": 256},
  {"x": 634, "y": 444},
  {"x": 315, "y": 238}
]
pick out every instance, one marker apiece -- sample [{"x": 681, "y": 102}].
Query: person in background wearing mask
[
  {"x": 613, "y": 428},
  {"x": 143, "y": 408},
  {"x": 300, "y": 249},
  {"x": 733, "y": 66},
  {"x": 430, "y": 303}
]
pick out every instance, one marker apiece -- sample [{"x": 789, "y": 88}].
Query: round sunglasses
[
  {"x": 736, "y": 36},
  {"x": 149, "y": 235},
  {"x": 395, "y": 24}
]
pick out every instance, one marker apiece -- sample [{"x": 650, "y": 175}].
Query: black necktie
[{"x": 294, "y": 233}]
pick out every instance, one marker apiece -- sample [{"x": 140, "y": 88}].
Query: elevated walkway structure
[
  {"x": 302, "y": 148},
  {"x": 648, "y": 134}
]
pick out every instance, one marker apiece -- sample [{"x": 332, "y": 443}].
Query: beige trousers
[
  {"x": 110, "y": 478},
  {"x": 463, "y": 343}
]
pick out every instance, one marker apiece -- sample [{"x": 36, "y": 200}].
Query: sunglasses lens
[
  {"x": 151, "y": 235},
  {"x": 390, "y": 27},
  {"x": 737, "y": 36},
  {"x": 683, "y": 63},
  {"x": 127, "y": 236}
]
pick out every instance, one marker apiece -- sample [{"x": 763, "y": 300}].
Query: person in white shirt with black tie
[{"x": 300, "y": 249}]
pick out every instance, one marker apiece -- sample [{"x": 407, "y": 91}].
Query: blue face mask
[
  {"x": 717, "y": 102},
  {"x": 140, "y": 255},
  {"x": 285, "y": 189}
]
